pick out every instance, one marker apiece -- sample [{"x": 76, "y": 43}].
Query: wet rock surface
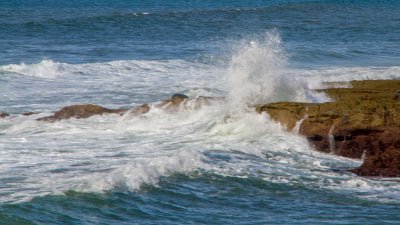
[
  {"x": 4, "y": 114},
  {"x": 79, "y": 111},
  {"x": 176, "y": 102},
  {"x": 362, "y": 120},
  {"x": 29, "y": 113},
  {"x": 383, "y": 157}
]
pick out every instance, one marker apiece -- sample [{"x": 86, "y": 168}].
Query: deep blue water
[
  {"x": 203, "y": 200},
  {"x": 314, "y": 34}
]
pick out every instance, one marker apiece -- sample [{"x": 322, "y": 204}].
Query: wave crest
[
  {"x": 44, "y": 69},
  {"x": 144, "y": 171}
]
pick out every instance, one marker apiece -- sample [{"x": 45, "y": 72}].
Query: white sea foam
[
  {"x": 113, "y": 84},
  {"x": 106, "y": 152},
  {"x": 112, "y": 76},
  {"x": 44, "y": 69}
]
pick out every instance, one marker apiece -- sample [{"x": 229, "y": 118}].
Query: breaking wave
[
  {"x": 44, "y": 69},
  {"x": 104, "y": 153}
]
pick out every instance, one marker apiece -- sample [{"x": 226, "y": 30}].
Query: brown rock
[
  {"x": 28, "y": 113},
  {"x": 383, "y": 158},
  {"x": 88, "y": 110},
  {"x": 288, "y": 113},
  {"x": 177, "y": 99},
  {"x": 363, "y": 120},
  {"x": 145, "y": 108},
  {"x": 80, "y": 111}
]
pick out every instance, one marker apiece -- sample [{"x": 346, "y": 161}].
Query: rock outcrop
[
  {"x": 176, "y": 102},
  {"x": 180, "y": 101},
  {"x": 29, "y": 113},
  {"x": 80, "y": 111},
  {"x": 383, "y": 157},
  {"x": 362, "y": 120}
]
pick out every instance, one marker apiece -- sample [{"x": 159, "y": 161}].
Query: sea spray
[{"x": 256, "y": 73}]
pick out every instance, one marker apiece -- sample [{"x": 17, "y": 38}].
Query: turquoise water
[{"x": 221, "y": 164}]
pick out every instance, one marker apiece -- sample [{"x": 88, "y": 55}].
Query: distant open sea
[{"x": 221, "y": 164}]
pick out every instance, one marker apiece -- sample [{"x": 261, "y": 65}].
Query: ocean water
[{"x": 221, "y": 164}]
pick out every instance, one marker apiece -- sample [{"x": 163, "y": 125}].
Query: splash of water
[{"x": 255, "y": 73}]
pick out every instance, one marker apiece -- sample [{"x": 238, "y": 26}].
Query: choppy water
[{"x": 222, "y": 164}]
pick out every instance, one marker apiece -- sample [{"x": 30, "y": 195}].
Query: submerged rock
[
  {"x": 80, "y": 111},
  {"x": 4, "y": 114},
  {"x": 363, "y": 120},
  {"x": 136, "y": 111},
  {"x": 183, "y": 102},
  {"x": 177, "y": 99},
  {"x": 176, "y": 102},
  {"x": 29, "y": 113}
]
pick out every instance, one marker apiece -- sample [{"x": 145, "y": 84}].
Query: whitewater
[
  {"x": 229, "y": 139},
  {"x": 222, "y": 163}
]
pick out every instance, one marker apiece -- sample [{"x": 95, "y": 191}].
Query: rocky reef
[
  {"x": 176, "y": 102},
  {"x": 361, "y": 121},
  {"x": 80, "y": 111}
]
